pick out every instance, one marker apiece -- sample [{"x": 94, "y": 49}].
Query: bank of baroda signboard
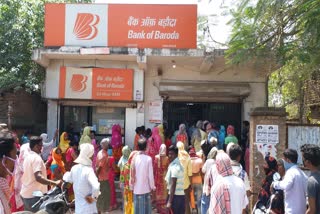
[{"x": 121, "y": 25}]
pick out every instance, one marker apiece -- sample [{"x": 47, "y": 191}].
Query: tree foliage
[
  {"x": 286, "y": 35},
  {"x": 22, "y": 30}
]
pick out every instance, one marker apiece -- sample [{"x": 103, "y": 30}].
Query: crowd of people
[{"x": 197, "y": 172}]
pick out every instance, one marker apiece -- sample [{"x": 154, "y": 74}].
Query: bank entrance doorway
[{"x": 175, "y": 113}]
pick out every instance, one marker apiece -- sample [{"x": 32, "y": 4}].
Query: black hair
[
  {"x": 142, "y": 144},
  {"x": 35, "y": 140},
  {"x": 311, "y": 153},
  {"x": 246, "y": 123},
  {"x": 143, "y": 128},
  {"x": 174, "y": 149},
  {"x": 138, "y": 129},
  {"x": 234, "y": 151},
  {"x": 291, "y": 154},
  {"x": 6, "y": 143}
]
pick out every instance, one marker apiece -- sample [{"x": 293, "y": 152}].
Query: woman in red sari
[{"x": 161, "y": 164}]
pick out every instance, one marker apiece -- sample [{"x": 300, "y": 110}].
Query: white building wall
[
  {"x": 52, "y": 118},
  {"x": 219, "y": 72},
  {"x": 133, "y": 118},
  {"x": 131, "y": 124}
]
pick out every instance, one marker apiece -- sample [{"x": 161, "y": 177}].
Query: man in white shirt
[
  {"x": 228, "y": 193},
  {"x": 294, "y": 184},
  {"x": 85, "y": 182},
  {"x": 142, "y": 180},
  {"x": 34, "y": 176},
  {"x": 235, "y": 152}
]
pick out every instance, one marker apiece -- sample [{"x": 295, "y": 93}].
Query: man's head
[
  {"x": 36, "y": 144},
  {"x": 246, "y": 123},
  {"x": 310, "y": 155},
  {"x": 142, "y": 144},
  {"x": 235, "y": 152},
  {"x": 291, "y": 156},
  {"x": 173, "y": 153}
]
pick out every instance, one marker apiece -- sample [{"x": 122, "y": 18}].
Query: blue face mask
[
  {"x": 110, "y": 152},
  {"x": 287, "y": 165}
]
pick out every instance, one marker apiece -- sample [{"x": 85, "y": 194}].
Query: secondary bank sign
[{"x": 121, "y": 25}]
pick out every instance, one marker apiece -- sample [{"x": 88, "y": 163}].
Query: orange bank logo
[
  {"x": 85, "y": 26},
  {"x": 78, "y": 82}
]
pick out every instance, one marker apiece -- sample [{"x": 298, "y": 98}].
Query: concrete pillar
[
  {"x": 131, "y": 124},
  {"x": 264, "y": 116},
  {"x": 52, "y": 117}
]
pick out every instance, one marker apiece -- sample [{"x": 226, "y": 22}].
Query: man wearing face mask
[
  {"x": 34, "y": 176},
  {"x": 294, "y": 184}
]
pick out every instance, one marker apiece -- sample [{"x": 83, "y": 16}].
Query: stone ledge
[{"x": 269, "y": 111}]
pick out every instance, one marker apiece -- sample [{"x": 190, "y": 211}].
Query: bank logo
[
  {"x": 85, "y": 26},
  {"x": 78, "y": 82}
]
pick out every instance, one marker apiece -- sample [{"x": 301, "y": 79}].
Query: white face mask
[{"x": 15, "y": 164}]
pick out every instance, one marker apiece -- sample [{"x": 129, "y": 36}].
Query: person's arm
[
  {"x": 93, "y": 181},
  {"x": 42, "y": 180},
  {"x": 189, "y": 168},
  {"x": 312, "y": 206},
  {"x": 55, "y": 135},
  {"x": 311, "y": 189},
  {"x": 172, "y": 191},
  {"x": 150, "y": 177},
  {"x": 285, "y": 184}
]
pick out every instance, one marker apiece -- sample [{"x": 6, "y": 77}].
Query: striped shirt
[{"x": 175, "y": 170}]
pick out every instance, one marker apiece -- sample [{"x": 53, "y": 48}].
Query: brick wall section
[
  {"x": 29, "y": 111},
  {"x": 264, "y": 116}
]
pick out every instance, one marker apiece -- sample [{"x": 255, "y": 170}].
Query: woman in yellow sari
[{"x": 64, "y": 142}]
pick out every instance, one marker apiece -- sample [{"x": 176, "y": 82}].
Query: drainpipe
[{"x": 267, "y": 90}]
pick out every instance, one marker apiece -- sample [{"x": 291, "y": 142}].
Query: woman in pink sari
[
  {"x": 95, "y": 146},
  {"x": 153, "y": 145},
  {"x": 161, "y": 164}
]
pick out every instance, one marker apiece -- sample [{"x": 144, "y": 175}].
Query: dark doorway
[{"x": 175, "y": 113}]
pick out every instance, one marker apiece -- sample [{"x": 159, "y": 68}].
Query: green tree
[
  {"x": 22, "y": 30},
  {"x": 285, "y": 34}
]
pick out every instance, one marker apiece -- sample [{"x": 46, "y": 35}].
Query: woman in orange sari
[
  {"x": 161, "y": 164},
  {"x": 57, "y": 165}
]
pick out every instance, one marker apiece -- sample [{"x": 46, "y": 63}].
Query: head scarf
[
  {"x": 183, "y": 155},
  {"x": 163, "y": 150},
  {"x": 86, "y": 152},
  {"x": 220, "y": 199},
  {"x": 156, "y": 138},
  {"x": 182, "y": 129},
  {"x": 230, "y": 130},
  {"x": 64, "y": 144},
  {"x": 105, "y": 141},
  {"x": 125, "y": 156},
  {"x": 85, "y": 138},
  {"x": 116, "y": 138},
  {"x": 192, "y": 153},
  {"x": 223, "y": 164},
  {"x": 45, "y": 138},
  {"x": 57, "y": 159},
  {"x": 213, "y": 153},
  {"x": 161, "y": 132}
]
